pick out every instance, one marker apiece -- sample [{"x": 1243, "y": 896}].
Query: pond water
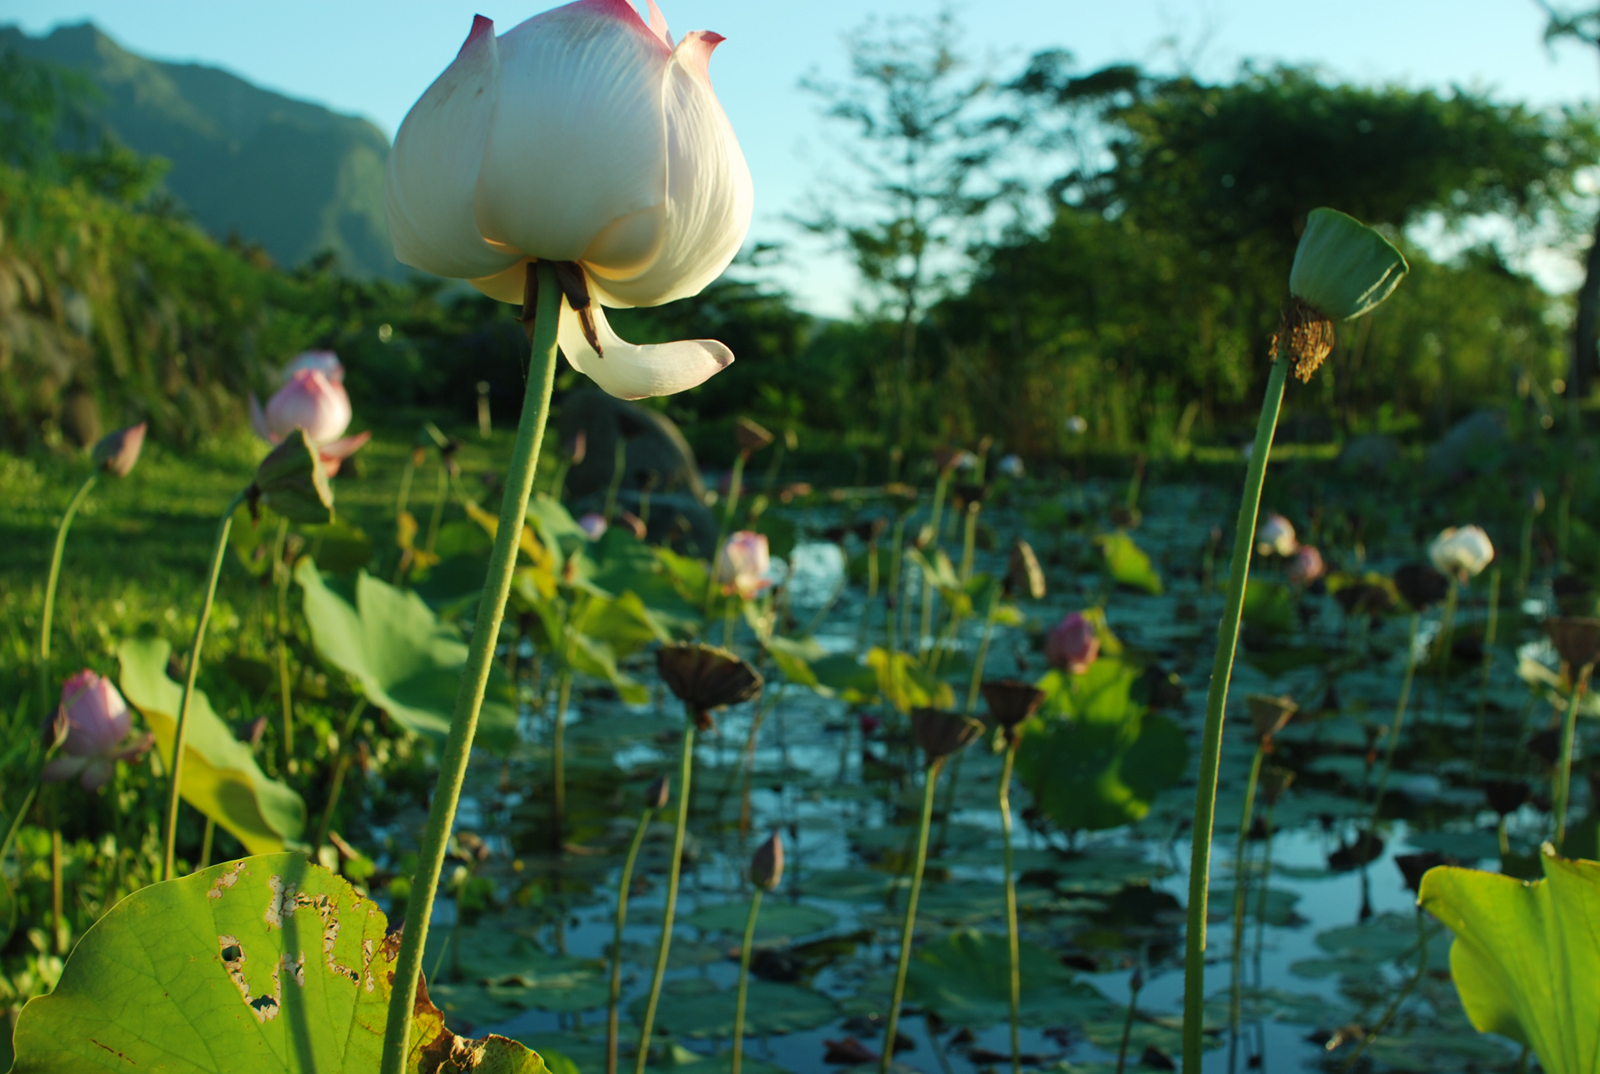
[{"x": 1334, "y": 949}]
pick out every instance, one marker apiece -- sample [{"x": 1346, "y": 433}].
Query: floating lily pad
[
  {"x": 698, "y": 1008},
  {"x": 966, "y": 979},
  {"x": 777, "y": 918},
  {"x": 1466, "y": 847}
]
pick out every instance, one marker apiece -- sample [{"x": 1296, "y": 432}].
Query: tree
[{"x": 918, "y": 195}]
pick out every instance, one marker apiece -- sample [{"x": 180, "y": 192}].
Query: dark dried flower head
[
  {"x": 1363, "y": 598},
  {"x": 706, "y": 678},
  {"x": 941, "y": 733},
  {"x": 117, "y": 452},
  {"x": 1268, "y": 715},
  {"x": 1024, "y": 576},
  {"x": 967, "y": 493},
  {"x": 1126, "y": 518},
  {"x": 656, "y": 795},
  {"x": 871, "y": 529},
  {"x": 752, "y": 437},
  {"x": 1275, "y": 780},
  {"x": 1420, "y": 585},
  {"x": 1011, "y": 701},
  {"x": 766, "y": 866},
  {"x": 1506, "y": 796},
  {"x": 1414, "y": 866},
  {"x": 1576, "y": 638}
]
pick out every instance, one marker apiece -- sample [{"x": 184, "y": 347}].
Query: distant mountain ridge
[{"x": 293, "y": 176}]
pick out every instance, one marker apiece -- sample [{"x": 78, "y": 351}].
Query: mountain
[{"x": 290, "y": 175}]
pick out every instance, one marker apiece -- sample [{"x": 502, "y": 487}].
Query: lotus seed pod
[
  {"x": 706, "y": 678},
  {"x": 1576, "y": 638},
  {"x": 1343, "y": 268},
  {"x": 752, "y": 437},
  {"x": 1011, "y": 701},
  {"x": 1274, "y": 782},
  {"x": 1420, "y": 585},
  {"x": 1268, "y": 715},
  {"x": 942, "y": 733}
]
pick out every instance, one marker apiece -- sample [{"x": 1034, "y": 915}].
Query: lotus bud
[
  {"x": 593, "y": 525},
  {"x": 292, "y": 482},
  {"x": 1013, "y": 467},
  {"x": 706, "y": 678},
  {"x": 743, "y": 563},
  {"x": 1536, "y": 501},
  {"x": 1306, "y": 566},
  {"x": 1276, "y": 537},
  {"x": 766, "y": 866},
  {"x": 1072, "y": 644},
  {"x": 1268, "y": 715},
  {"x": 656, "y": 795},
  {"x": 1024, "y": 576},
  {"x": 1462, "y": 551},
  {"x": 1420, "y": 585},
  {"x": 578, "y": 447},
  {"x": 941, "y": 733},
  {"x": 117, "y": 452},
  {"x": 1011, "y": 702},
  {"x": 752, "y": 437},
  {"x": 97, "y": 736},
  {"x": 1275, "y": 780},
  {"x": 1576, "y": 638},
  {"x": 1342, "y": 269}
]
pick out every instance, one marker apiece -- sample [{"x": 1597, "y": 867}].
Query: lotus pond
[{"x": 1333, "y": 957}]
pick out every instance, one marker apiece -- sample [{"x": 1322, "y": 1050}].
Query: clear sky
[{"x": 375, "y": 58}]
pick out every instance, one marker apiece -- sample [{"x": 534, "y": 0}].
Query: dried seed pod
[
  {"x": 1420, "y": 585},
  {"x": 1268, "y": 714},
  {"x": 656, "y": 795},
  {"x": 941, "y": 733},
  {"x": 1024, "y": 576},
  {"x": 1576, "y": 638},
  {"x": 766, "y": 866},
  {"x": 1011, "y": 701},
  {"x": 1506, "y": 796},
  {"x": 1414, "y": 866},
  {"x": 752, "y": 437},
  {"x": 1275, "y": 780},
  {"x": 706, "y": 678}
]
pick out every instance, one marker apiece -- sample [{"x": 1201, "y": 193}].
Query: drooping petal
[
  {"x": 258, "y": 421},
  {"x": 630, "y": 372},
  {"x": 576, "y": 153},
  {"x": 344, "y": 448},
  {"x": 709, "y": 193},
  {"x": 433, "y": 166}
]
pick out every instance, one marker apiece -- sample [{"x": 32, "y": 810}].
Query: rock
[{"x": 1472, "y": 445}]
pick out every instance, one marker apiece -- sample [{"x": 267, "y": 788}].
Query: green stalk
[
  {"x": 1011, "y": 911},
  {"x": 744, "y": 981},
  {"x": 475, "y": 675},
  {"x": 1488, "y": 664},
  {"x": 892, "y": 598},
  {"x": 935, "y": 523},
  {"x": 27, "y": 800},
  {"x": 280, "y": 575},
  {"x": 969, "y": 541},
  {"x": 1134, "y": 986},
  {"x": 1394, "y": 734},
  {"x": 619, "y": 466},
  {"x": 1525, "y": 559},
  {"x": 179, "y": 733},
  {"x": 205, "y": 845},
  {"x": 48, "y": 614},
  {"x": 1569, "y": 727},
  {"x": 57, "y": 915},
  {"x": 341, "y": 765},
  {"x": 558, "y": 757},
  {"x": 1447, "y": 629},
  {"x": 983, "y": 652},
  {"x": 908, "y": 928},
  {"x": 685, "y": 772},
  {"x": 725, "y": 527},
  {"x": 441, "y": 493},
  {"x": 1235, "y": 1000},
  {"x": 616, "y": 944},
  {"x": 1205, "y": 803}
]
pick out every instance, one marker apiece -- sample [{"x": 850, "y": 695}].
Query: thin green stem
[
  {"x": 57, "y": 914},
  {"x": 1395, "y": 726},
  {"x": 1569, "y": 728},
  {"x": 908, "y": 928},
  {"x": 619, "y": 468},
  {"x": 686, "y": 771},
  {"x": 616, "y": 941},
  {"x": 969, "y": 541},
  {"x": 205, "y": 845},
  {"x": 558, "y": 758},
  {"x": 1400, "y": 997},
  {"x": 341, "y": 765},
  {"x": 180, "y": 733},
  {"x": 936, "y": 522},
  {"x": 1488, "y": 666},
  {"x": 475, "y": 675},
  {"x": 725, "y": 527},
  {"x": 1447, "y": 628},
  {"x": 1525, "y": 559},
  {"x": 982, "y": 658},
  {"x": 744, "y": 982},
  {"x": 1011, "y": 911},
  {"x": 441, "y": 493},
  {"x": 1127, "y": 1021},
  {"x": 1205, "y": 803},
  {"x": 280, "y": 576},
  {"x": 1240, "y": 887},
  {"x": 47, "y": 615},
  {"x": 892, "y": 597}
]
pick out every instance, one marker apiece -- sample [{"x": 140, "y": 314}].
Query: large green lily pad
[
  {"x": 698, "y": 1008},
  {"x": 966, "y": 979},
  {"x": 777, "y": 918},
  {"x": 220, "y": 776},
  {"x": 264, "y": 965}
]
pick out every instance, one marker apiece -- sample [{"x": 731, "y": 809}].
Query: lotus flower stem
[
  {"x": 1205, "y": 804},
  {"x": 180, "y": 731},
  {"x": 1395, "y": 727},
  {"x": 1569, "y": 727},
  {"x": 1423, "y": 938},
  {"x": 744, "y": 982},
  {"x": 1011, "y": 910},
  {"x": 47, "y": 614},
  {"x": 205, "y": 845},
  {"x": 1240, "y": 887},
  {"x": 341, "y": 765},
  {"x": 686, "y": 771},
  {"x": 1488, "y": 665},
  {"x": 558, "y": 756},
  {"x": 982, "y": 658},
  {"x": 891, "y": 598},
  {"x": 909, "y": 927},
  {"x": 619, "y": 468},
  {"x": 616, "y": 943},
  {"x": 725, "y": 527},
  {"x": 969, "y": 541},
  {"x": 1447, "y": 629},
  {"x": 403, "y": 498},
  {"x": 280, "y": 575},
  {"x": 1134, "y": 986},
  {"x": 541, "y": 325},
  {"x": 935, "y": 522},
  {"x": 57, "y": 915}
]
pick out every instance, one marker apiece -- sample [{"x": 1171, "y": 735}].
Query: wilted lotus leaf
[
  {"x": 706, "y": 678},
  {"x": 941, "y": 733},
  {"x": 1576, "y": 638}
]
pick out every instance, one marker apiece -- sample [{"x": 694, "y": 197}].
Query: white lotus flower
[
  {"x": 1461, "y": 551},
  {"x": 583, "y": 136},
  {"x": 1276, "y": 537}
]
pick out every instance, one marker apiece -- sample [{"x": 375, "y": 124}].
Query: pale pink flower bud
[
  {"x": 1073, "y": 644},
  {"x": 325, "y": 362},
  {"x": 593, "y": 525},
  {"x": 743, "y": 563},
  {"x": 312, "y": 402},
  {"x": 1276, "y": 537},
  {"x": 98, "y": 723},
  {"x": 1306, "y": 566},
  {"x": 1462, "y": 552}
]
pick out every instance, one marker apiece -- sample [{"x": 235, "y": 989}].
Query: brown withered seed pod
[
  {"x": 1011, "y": 701},
  {"x": 1576, "y": 638},
  {"x": 706, "y": 678},
  {"x": 1269, "y": 714},
  {"x": 1274, "y": 782},
  {"x": 941, "y": 733},
  {"x": 1421, "y": 585},
  {"x": 766, "y": 866},
  {"x": 752, "y": 437}
]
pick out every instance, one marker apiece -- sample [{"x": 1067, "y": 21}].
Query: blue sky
[{"x": 374, "y": 59}]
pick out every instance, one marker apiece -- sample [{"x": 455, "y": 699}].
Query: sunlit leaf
[{"x": 1128, "y": 564}]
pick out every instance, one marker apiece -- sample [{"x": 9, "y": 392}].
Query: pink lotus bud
[
  {"x": 117, "y": 452},
  {"x": 1276, "y": 537},
  {"x": 1073, "y": 644},
  {"x": 98, "y": 723},
  {"x": 313, "y": 402},
  {"x": 325, "y": 362},
  {"x": 869, "y": 723},
  {"x": 593, "y": 525},
  {"x": 1306, "y": 566},
  {"x": 743, "y": 563}
]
